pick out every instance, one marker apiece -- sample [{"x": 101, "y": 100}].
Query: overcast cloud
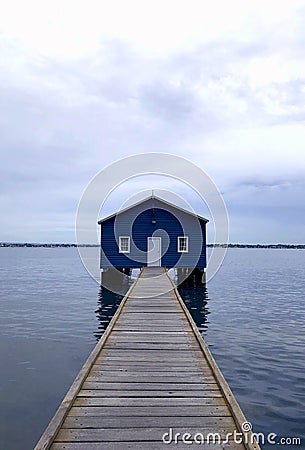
[{"x": 83, "y": 84}]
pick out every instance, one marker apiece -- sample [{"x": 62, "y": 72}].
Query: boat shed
[{"x": 153, "y": 232}]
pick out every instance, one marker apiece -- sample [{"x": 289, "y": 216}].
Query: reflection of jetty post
[{"x": 190, "y": 277}]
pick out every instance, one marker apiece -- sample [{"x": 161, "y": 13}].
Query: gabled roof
[{"x": 153, "y": 197}]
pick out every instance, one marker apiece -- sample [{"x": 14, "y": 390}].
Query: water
[{"x": 52, "y": 313}]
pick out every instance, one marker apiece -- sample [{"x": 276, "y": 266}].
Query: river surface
[{"x": 251, "y": 314}]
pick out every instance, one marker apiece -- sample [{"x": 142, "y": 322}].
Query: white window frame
[
  {"x": 187, "y": 244},
  {"x": 120, "y": 244}
]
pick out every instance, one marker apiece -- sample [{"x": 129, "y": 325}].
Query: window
[
  {"x": 183, "y": 244},
  {"x": 124, "y": 244}
]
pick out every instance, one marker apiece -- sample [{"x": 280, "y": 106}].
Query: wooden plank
[
  {"x": 150, "y": 367},
  {"x": 115, "y": 364},
  {"x": 208, "y": 423},
  {"x": 159, "y": 355},
  {"x": 173, "y": 339},
  {"x": 165, "y": 301},
  {"x": 153, "y": 322},
  {"x": 155, "y": 366},
  {"x": 155, "y": 310},
  {"x": 134, "y": 359},
  {"x": 140, "y": 411},
  {"x": 139, "y": 446},
  {"x": 146, "y": 327},
  {"x": 194, "y": 353},
  {"x": 149, "y": 346},
  {"x": 128, "y": 434},
  {"x": 136, "y": 356},
  {"x": 183, "y": 364},
  {"x": 149, "y": 318},
  {"x": 150, "y": 332},
  {"x": 162, "y": 316},
  {"x": 158, "y": 314},
  {"x": 153, "y": 338},
  {"x": 135, "y": 374},
  {"x": 152, "y": 310},
  {"x": 156, "y": 321},
  {"x": 117, "y": 387},
  {"x": 172, "y": 378},
  {"x": 142, "y": 305},
  {"x": 156, "y": 393},
  {"x": 150, "y": 402},
  {"x": 132, "y": 363}
]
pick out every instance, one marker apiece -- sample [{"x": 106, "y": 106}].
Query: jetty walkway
[{"x": 150, "y": 383}]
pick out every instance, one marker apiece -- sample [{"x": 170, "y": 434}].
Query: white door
[{"x": 154, "y": 251}]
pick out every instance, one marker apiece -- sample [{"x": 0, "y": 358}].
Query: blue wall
[{"x": 137, "y": 223}]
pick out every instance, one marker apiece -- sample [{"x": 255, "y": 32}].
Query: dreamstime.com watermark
[{"x": 246, "y": 437}]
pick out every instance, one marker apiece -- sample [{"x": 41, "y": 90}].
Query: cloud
[{"x": 80, "y": 91}]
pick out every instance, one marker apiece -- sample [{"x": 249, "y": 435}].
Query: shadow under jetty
[
  {"x": 117, "y": 280},
  {"x": 190, "y": 277}
]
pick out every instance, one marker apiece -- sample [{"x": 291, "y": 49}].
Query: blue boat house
[{"x": 153, "y": 232}]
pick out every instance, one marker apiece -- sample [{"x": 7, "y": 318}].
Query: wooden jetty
[{"x": 150, "y": 377}]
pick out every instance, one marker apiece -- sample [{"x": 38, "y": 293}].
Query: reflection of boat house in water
[{"x": 153, "y": 232}]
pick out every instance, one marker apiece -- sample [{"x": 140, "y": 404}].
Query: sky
[{"x": 86, "y": 83}]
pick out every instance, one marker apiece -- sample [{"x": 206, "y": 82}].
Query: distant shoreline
[{"x": 67, "y": 245}]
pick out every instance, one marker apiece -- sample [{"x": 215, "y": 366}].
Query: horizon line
[{"x": 71, "y": 244}]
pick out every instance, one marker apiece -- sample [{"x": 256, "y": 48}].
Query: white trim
[
  {"x": 154, "y": 256},
  {"x": 187, "y": 244},
  {"x": 120, "y": 244}
]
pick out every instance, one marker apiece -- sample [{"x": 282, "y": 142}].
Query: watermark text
[{"x": 247, "y": 437}]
